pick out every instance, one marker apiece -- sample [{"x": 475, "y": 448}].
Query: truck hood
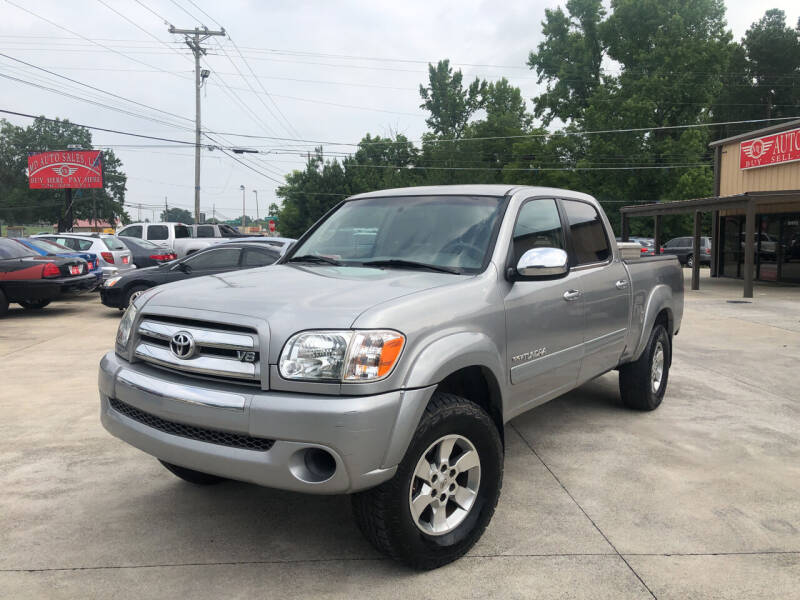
[{"x": 292, "y": 298}]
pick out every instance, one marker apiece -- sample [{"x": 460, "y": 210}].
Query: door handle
[
  {"x": 622, "y": 284},
  {"x": 571, "y": 295}
]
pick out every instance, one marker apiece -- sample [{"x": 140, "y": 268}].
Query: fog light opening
[{"x": 313, "y": 465}]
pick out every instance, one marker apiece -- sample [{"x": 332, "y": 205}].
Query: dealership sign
[
  {"x": 769, "y": 150},
  {"x": 65, "y": 169}
]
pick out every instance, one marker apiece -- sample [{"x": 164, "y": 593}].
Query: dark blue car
[{"x": 47, "y": 248}]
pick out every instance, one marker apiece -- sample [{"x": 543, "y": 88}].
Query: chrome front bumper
[{"x": 366, "y": 435}]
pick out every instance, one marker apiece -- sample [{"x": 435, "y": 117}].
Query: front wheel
[
  {"x": 134, "y": 293},
  {"x": 445, "y": 490},
  {"x": 690, "y": 261},
  {"x": 643, "y": 383},
  {"x": 34, "y": 304}
]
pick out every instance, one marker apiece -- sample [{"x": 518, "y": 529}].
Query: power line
[
  {"x": 94, "y": 127},
  {"x": 147, "y": 106},
  {"x": 81, "y": 99},
  {"x": 507, "y": 137},
  {"x": 139, "y": 27},
  {"x": 108, "y": 48},
  {"x": 290, "y": 129}
]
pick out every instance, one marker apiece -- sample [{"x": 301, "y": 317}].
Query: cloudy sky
[{"x": 324, "y": 71}]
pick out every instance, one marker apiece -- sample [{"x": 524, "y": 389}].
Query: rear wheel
[
  {"x": 444, "y": 492},
  {"x": 690, "y": 261},
  {"x": 192, "y": 476},
  {"x": 643, "y": 383},
  {"x": 3, "y": 303},
  {"x": 134, "y": 293},
  {"x": 34, "y": 304}
]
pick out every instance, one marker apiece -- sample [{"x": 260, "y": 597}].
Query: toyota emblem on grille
[{"x": 182, "y": 345}]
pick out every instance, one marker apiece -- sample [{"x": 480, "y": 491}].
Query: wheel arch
[
  {"x": 657, "y": 310},
  {"x": 467, "y": 364}
]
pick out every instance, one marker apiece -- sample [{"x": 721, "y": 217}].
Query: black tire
[
  {"x": 134, "y": 290},
  {"x": 192, "y": 476},
  {"x": 3, "y": 303},
  {"x": 383, "y": 513},
  {"x": 34, "y": 304},
  {"x": 690, "y": 261},
  {"x": 636, "y": 381}
]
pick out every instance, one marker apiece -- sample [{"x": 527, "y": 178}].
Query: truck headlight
[
  {"x": 346, "y": 356},
  {"x": 126, "y": 325}
]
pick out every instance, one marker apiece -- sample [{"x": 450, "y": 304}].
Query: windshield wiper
[
  {"x": 411, "y": 264},
  {"x": 315, "y": 258}
]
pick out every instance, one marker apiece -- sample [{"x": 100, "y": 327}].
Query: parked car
[
  {"x": 112, "y": 255},
  {"x": 213, "y": 230},
  {"x": 175, "y": 236},
  {"x": 48, "y": 248},
  {"x": 146, "y": 253},
  {"x": 33, "y": 281},
  {"x": 683, "y": 248},
  {"x": 648, "y": 245},
  {"x": 120, "y": 291},
  {"x": 386, "y": 350},
  {"x": 281, "y": 243}
]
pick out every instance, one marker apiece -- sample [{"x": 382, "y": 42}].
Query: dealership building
[{"x": 755, "y": 208}]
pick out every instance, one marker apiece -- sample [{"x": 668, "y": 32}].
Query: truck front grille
[
  {"x": 217, "y": 351},
  {"x": 212, "y": 436}
]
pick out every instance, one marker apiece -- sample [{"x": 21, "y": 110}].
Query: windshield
[{"x": 444, "y": 231}]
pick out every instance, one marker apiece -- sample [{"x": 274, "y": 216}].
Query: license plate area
[
  {"x": 125, "y": 260},
  {"x": 75, "y": 269}
]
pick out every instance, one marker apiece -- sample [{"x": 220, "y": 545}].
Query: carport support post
[
  {"x": 657, "y": 234},
  {"x": 749, "y": 247},
  {"x": 696, "y": 252},
  {"x": 714, "y": 242}
]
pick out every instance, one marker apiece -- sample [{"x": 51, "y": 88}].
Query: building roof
[
  {"x": 90, "y": 223},
  {"x": 757, "y": 133}
]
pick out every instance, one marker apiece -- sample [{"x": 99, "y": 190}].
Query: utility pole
[
  {"x": 241, "y": 187},
  {"x": 256, "y": 193},
  {"x": 194, "y": 37},
  {"x": 166, "y": 209}
]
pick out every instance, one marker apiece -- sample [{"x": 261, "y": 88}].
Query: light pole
[
  {"x": 256, "y": 193},
  {"x": 241, "y": 187}
]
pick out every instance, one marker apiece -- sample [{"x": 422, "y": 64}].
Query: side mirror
[{"x": 543, "y": 262}]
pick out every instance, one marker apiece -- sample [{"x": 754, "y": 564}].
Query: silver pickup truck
[{"x": 383, "y": 354}]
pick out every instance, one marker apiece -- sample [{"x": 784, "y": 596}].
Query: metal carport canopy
[{"x": 748, "y": 201}]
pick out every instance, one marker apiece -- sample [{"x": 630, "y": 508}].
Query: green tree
[
  {"x": 450, "y": 105},
  {"x": 177, "y": 215},
  {"x": 19, "y": 204},
  {"x": 568, "y": 60}
]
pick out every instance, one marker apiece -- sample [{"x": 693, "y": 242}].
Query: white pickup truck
[{"x": 176, "y": 236}]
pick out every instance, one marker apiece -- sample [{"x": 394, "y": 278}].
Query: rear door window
[
  {"x": 203, "y": 231},
  {"x": 587, "y": 233},
  {"x": 182, "y": 231},
  {"x": 157, "y": 232}
]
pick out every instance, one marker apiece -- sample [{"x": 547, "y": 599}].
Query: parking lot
[{"x": 700, "y": 499}]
